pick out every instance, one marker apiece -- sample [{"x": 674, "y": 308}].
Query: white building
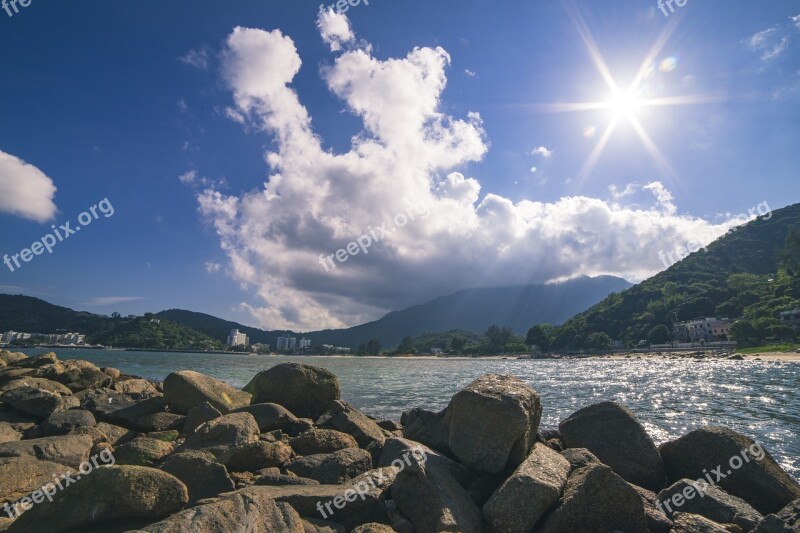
[
  {"x": 304, "y": 343},
  {"x": 703, "y": 329},
  {"x": 237, "y": 339},
  {"x": 287, "y": 343}
]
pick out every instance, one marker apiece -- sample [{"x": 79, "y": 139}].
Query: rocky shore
[{"x": 193, "y": 454}]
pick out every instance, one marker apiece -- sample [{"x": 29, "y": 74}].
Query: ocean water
[{"x": 671, "y": 397}]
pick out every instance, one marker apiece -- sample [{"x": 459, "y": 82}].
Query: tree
[
  {"x": 498, "y": 337},
  {"x": 540, "y": 335},
  {"x": 659, "y": 335},
  {"x": 406, "y": 345},
  {"x": 373, "y": 347},
  {"x": 745, "y": 333},
  {"x": 598, "y": 341},
  {"x": 458, "y": 343},
  {"x": 790, "y": 255}
]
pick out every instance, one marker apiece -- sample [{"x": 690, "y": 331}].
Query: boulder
[
  {"x": 37, "y": 383},
  {"x": 358, "y": 501},
  {"x": 69, "y": 450},
  {"x": 64, "y": 422},
  {"x": 280, "y": 480},
  {"x": 316, "y": 441},
  {"x": 786, "y": 521},
  {"x": 657, "y": 521},
  {"x": 237, "y": 511},
  {"x": 116, "y": 434},
  {"x": 120, "y": 409},
  {"x": 109, "y": 493},
  {"x": 161, "y": 422},
  {"x": 270, "y": 416},
  {"x": 12, "y": 357},
  {"x": 579, "y": 457},
  {"x": 538, "y": 482},
  {"x": 136, "y": 387},
  {"x": 8, "y": 433},
  {"x": 187, "y": 389},
  {"x": 79, "y": 377},
  {"x": 611, "y": 432},
  {"x": 373, "y": 528},
  {"x": 692, "y": 523},
  {"x": 257, "y": 455},
  {"x": 307, "y": 391},
  {"x": 11, "y": 373},
  {"x": 706, "y": 500},
  {"x": 223, "y": 435},
  {"x": 597, "y": 499},
  {"x": 197, "y": 415},
  {"x": 401, "y": 453},
  {"x": 202, "y": 475},
  {"x": 433, "y": 500},
  {"x": 493, "y": 423},
  {"x": 37, "y": 361},
  {"x": 312, "y": 525},
  {"x": 428, "y": 428},
  {"x": 346, "y": 418},
  {"x": 19, "y": 476},
  {"x": 333, "y": 468},
  {"x": 142, "y": 451},
  {"x": 715, "y": 451},
  {"x": 37, "y": 402}
]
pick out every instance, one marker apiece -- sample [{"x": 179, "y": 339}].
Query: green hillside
[
  {"x": 153, "y": 333},
  {"x": 751, "y": 272}
]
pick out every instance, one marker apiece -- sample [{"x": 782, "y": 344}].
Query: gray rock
[
  {"x": 63, "y": 422},
  {"x": 346, "y": 418},
  {"x": 316, "y": 441},
  {"x": 120, "y": 409},
  {"x": 597, "y": 499},
  {"x": 657, "y": 521},
  {"x": 433, "y": 500},
  {"x": 37, "y": 383},
  {"x": 257, "y": 455},
  {"x": 579, "y": 457},
  {"x": 69, "y": 450},
  {"x": 197, "y": 415},
  {"x": 237, "y": 511},
  {"x": 611, "y": 432},
  {"x": 787, "y": 520},
  {"x": 333, "y": 468},
  {"x": 136, "y": 387},
  {"x": 307, "y": 391},
  {"x": 493, "y": 423},
  {"x": 538, "y": 482},
  {"x": 161, "y": 422},
  {"x": 402, "y": 452},
  {"x": 373, "y": 528},
  {"x": 312, "y": 525},
  {"x": 281, "y": 480},
  {"x": 692, "y": 523},
  {"x": 109, "y": 493},
  {"x": 342, "y": 504},
  {"x": 428, "y": 428},
  {"x": 37, "y": 402},
  {"x": 708, "y": 501},
  {"x": 223, "y": 435},
  {"x": 270, "y": 416},
  {"x": 116, "y": 434},
  {"x": 187, "y": 389},
  {"x": 142, "y": 451},
  {"x": 19, "y": 476},
  {"x": 761, "y": 483},
  {"x": 202, "y": 475},
  {"x": 8, "y": 433}
]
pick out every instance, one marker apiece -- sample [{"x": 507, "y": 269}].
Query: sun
[{"x": 625, "y": 104}]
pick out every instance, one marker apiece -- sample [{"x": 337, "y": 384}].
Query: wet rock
[
  {"x": 333, "y": 468},
  {"x": 538, "y": 482},
  {"x": 108, "y": 493},
  {"x": 709, "y": 501},
  {"x": 597, "y": 499},
  {"x": 342, "y": 504},
  {"x": 317, "y": 441},
  {"x": 692, "y": 523},
  {"x": 237, "y": 511},
  {"x": 433, "y": 500},
  {"x": 346, "y": 418},
  {"x": 64, "y": 422},
  {"x": 199, "y": 471},
  {"x": 493, "y": 423},
  {"x": 711, "y": 450},
  {"x": 306, "y": 391},
  {"x": 69, "y": 450},
  {"x": 257, "y": 455},
  {"x": 205, "y": 412},
  {"x": 187, "y": 389},
  {"x": 223, "y": 435},
  {"x": 611, "y": 432},
  {"x": 142, "y": 451}
]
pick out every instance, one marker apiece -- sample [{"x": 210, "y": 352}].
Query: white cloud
[
  {"x": 112, "y": 300},
  {"x": 188, "y": 177},
  {"x": 197, "y": 57},
  {"x": 25, "y": 190},
  {"x": 335, "y": 29},
  {"x": 542, "y": 151},
  {"x": 769, "y": 43},
  {"x": 796, "y": 20},
  {"x": 534, "y": 170},
  {"x": 469, "y": 73},
  {"x": 213, "y": 267},
  {"x": 630, "y": 189},
  {"x": 409, "y": 152}
]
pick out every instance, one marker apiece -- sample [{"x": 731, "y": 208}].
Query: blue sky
[{"x": 297, "y": 132}]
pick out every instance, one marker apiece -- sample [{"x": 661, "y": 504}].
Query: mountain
[{"x": 752, "y": 273}]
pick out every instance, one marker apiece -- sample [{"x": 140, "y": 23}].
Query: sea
[{"x": 760, "y": 399}]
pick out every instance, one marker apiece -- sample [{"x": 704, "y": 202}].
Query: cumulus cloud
[
  {"x": 542, "y": 151},
  {"x": 409, "y": 153},
  {"x": 335, "y": 29},
  {"x": 25, "y": 190},
  {"x": 188, "y": 177},
  {"x": 796, "y": 20}
]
